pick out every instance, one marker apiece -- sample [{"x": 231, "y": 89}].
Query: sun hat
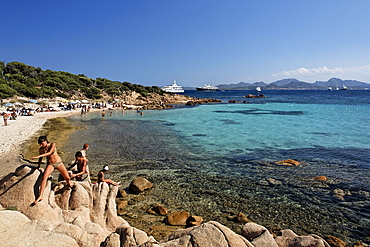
[{"x": 105, "y": 168}]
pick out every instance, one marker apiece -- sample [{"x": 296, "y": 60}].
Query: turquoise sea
[{"x": 215, "y": 160}]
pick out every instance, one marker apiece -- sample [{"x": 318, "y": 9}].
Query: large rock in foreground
[
  {"x": 258, "y": 235},
  {"x": 85, "y": 213},
  {"x": 17, "y": 230},
  {"x": 290, "y": 239}
]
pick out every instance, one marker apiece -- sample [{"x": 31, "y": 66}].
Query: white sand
[{"x": 17, "y": 132}]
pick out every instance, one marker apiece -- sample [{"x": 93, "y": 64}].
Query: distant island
[{"x": 291, "y": 83}]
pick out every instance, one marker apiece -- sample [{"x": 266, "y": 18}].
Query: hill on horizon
[
  {"x": 19, "y": 79},
  {"x": 292, "y": 83}
]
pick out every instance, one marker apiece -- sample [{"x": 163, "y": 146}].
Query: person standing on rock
[
  {"x": 54, "y": 161},
  {"x": 85, "y": 147}
]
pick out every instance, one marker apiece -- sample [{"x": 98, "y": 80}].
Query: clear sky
[{"x": 153, "y": 42}]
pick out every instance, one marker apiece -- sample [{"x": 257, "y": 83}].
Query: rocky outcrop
[
  {"x": 255, "y": 96},
  {"x": 258, "y": 235},
  {"x": 18, "y": 230},
  {"x": 85, "y": 213},
  {"x": 157, "y": 101},
  {"x": 208, "y": 234},
  {"x": 202, "y": 101},
  {"x": 213, "y": 234},
  {"x": 290, "y": 239}
]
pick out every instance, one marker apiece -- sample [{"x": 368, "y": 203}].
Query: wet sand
[{"x": 18, "y": 132}]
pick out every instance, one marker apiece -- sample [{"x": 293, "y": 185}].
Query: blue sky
[{"x": 153, "y": 42}]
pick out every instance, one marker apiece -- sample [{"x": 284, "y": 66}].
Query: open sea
[{"x": 215, "y": 160}]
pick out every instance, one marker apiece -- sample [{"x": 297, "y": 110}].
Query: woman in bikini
[{"x": 54, "y": 161}]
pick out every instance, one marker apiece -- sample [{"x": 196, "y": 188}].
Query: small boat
[
  {"x": 207, "y": 88},
  {"x": 344, "y": 87},
  {"x": 258, "y": 89},
  {"x": 173, "y": 88},
  {"x": 329, "y": 88}
]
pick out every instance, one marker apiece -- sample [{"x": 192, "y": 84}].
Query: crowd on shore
[{"x": 22, "y": 121}]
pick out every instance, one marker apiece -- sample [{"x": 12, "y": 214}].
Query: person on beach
[
  {"x": 5, "y": 117},
  {"x": 85, "y": 147},
  {"x": 103, "y": 113},
  {"x": 54, "y": 161},
  {"x": 81, "y": 162},
  {"x": 102, "y": 179}
]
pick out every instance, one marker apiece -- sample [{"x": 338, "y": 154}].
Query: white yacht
[
  {"x": 258, "y": 89},
  {"x": 207, "y": 88},
  {"x": 173, "y": 88}
]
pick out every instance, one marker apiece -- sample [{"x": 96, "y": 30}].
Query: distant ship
[
  {"x": 258, "y": 89},
  {"x": 207, "y": 88},
  {"x": 173, "y": 88},
  {"x": 330, "y": 88},
  {"x": 344, "y": 87}
]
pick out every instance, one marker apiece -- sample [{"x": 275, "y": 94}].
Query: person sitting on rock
[
  {"x": 81, "y": 172},
  {"x": 102, "y": 179}
]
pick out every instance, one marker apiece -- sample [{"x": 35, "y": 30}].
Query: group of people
[{"x": 53, "y": 161}]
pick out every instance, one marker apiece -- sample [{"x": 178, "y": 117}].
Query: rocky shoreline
[
  {"x": 64, "y": 209},
  {"x": 86, "y": 215}
]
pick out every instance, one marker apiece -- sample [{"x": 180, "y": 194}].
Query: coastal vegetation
[{"x": 19, "y": 79}]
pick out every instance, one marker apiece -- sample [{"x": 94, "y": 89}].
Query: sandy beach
[{"x": 18, "y": 131}]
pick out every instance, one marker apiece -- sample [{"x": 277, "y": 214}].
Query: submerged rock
[
  {"x": 335, "y": 242},
  {"x": 177, "y": 218},
  {"x": 255, "y": 96},
  {"x": 194, "y": 221},
  {"x": 321, "y": 178},
  {"x": 288, "y": 162},
  {"x": 140, "y": 184},
  {"x": 160, "y": 209}
]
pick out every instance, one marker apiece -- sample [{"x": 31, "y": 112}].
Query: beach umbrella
[
  {"x": 77, "y": 102},
  {"x": 8, "y": 104},
  {"x": 116, "y": 99},
  {"x": 84, "y": 101},
  {"x": 17, "y": 103},
  {"x": 34, "y": 101}
]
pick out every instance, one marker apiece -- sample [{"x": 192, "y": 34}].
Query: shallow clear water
[{"x": 216, "y": 160}]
